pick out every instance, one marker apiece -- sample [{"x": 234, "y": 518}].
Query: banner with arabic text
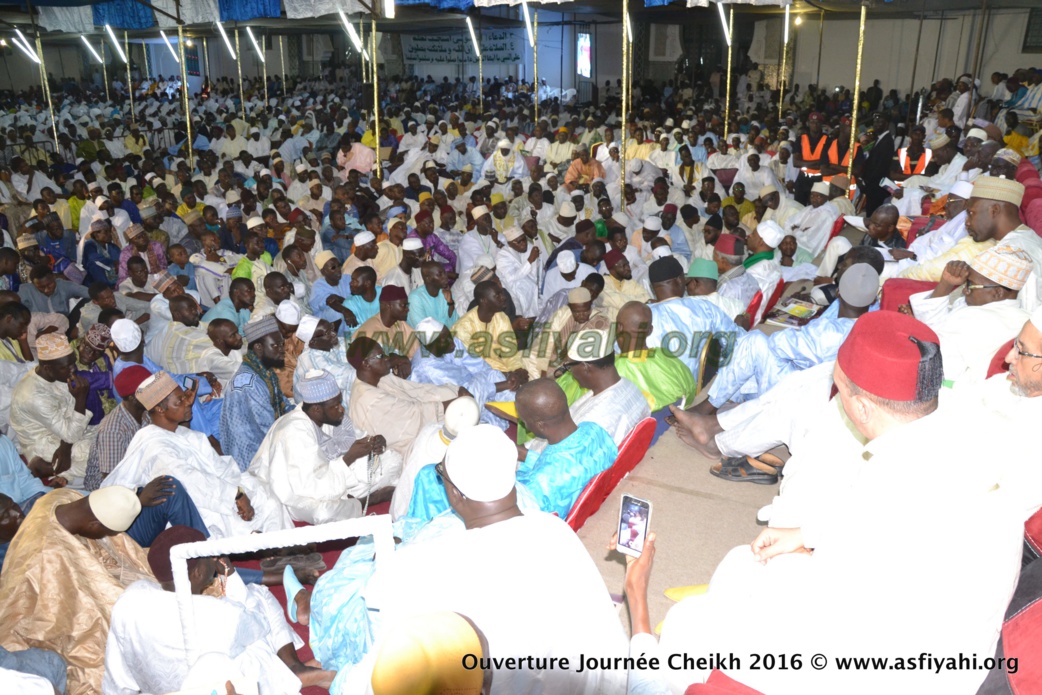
[{"x": 497, "y": 46}]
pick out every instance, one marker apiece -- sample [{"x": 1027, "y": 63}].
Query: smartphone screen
[
  {"x": 190, "y": 383},
  {"x": 634, "y": 520}
]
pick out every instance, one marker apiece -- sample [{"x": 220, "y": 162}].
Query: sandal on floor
[
  {"x": 293, "y": 587},
  {"x": 311, "y": 561},
  {"x": 741, "y": 469}
]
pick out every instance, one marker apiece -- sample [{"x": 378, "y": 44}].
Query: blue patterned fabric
[
  {"x": 247, "y": 416},
  {"x": 559, "y": 473},
  {"x": 245, "y": 10},
  {"x": 123, "y": 14}
]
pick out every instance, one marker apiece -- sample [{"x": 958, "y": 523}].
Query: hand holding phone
[{"x": 634, "y": 522}]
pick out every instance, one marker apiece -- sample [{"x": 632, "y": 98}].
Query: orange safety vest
[
  {"x": 920, "y": 166},
  {"x": 815, "y": 155},
  {"x": 834, "y": 160}
]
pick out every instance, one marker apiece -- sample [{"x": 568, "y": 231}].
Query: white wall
[
  {"x": 18, "y": 72},
  {"x": 889, "y": 49}
]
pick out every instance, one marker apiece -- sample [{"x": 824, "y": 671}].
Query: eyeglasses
[
  {"x": 967, "y": 288},
  {"x": 564, "y": 369},
  {"x": 1020, "y": 351}
]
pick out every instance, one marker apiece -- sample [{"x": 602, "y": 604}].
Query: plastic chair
[
  {"x": 632, "y": 452},
  {"x": 998, "y": 363}
]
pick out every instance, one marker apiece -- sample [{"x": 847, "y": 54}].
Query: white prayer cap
[
  {"x": 566, "y": 262},
  {"x": 590, "y": 345},
  {"x": 479, "y": 211},
  {"x": 115, "y": 507},
  {"x": 567, "y": 209},
  {"x": 412, "y": 244},
  {"x": 621, "y": 218},
  {"x": 820, "y": 187},
  {"x": 767, "y": 190},
  {"x": 306, "y": 328},
  {"x": 512, "y": 233},
  {"x": 1036, "y": 319},
  {"x": 318, "y": 386},
  {"x": 462, "y": 413},
  {"x": 363, "y": 238},
  {"x": 301, "y": 168},
  {"x": 978, "y": 133},
  {"x": 254, "y": 222},
  {"x": 428, "y": 329},
  {"x": 263, "y": 173},
  {"x": 662, "y": 252},
  {"x": 100, "y": 200},
  {"x": 653, "y": 224},
  {"x": 481, "y": 463},
  {"x": 254, "y": 131},
  {"x": 859, "y": 285},
  {"x": 126, "y": 334},
  {"x": 503, "y": 144},
  {"x": 771, "y": 233},
  {"x": 288, "y": 313},
  {"x": 962, "y": 189}
]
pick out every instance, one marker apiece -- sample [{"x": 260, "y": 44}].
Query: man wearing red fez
[
  {"x": 879, "y": 560},
  {"x": 389, "y": 329},
  {"x": 729, "y": 255}
]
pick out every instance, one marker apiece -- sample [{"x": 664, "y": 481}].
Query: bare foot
[
  {"x": 697, "y": 431},
  {"x": 303, "y": 601},
  {"x": 310, "y": 676},
  {"x": 703, "y": 408}
]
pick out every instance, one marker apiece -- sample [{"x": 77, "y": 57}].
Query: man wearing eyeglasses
[{"x": 977, "y": 324}]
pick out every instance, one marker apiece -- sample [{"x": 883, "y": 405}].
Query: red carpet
[{"x": 330, "y": 554}]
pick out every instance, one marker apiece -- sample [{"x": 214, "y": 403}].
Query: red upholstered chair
[
  {"x": 836, "y": 226},
  {"x": 779, "y": 289},
  {"x": 1026, "y": 171},
  {"x": 1032, "y": 215},
  {"x": 719, "y": 683},
  {"x": 998, "y": 362},
  {"x": 896, "y": 291},
  {"x": 1033, "y": 531},
  {"x": 754, "y": 306},
  {"x": 726, "y": 178},
  {"x": 632, "y": 452}
]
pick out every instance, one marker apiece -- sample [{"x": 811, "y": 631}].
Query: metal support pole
[
  {"x": 206, "y": 58},
  {"x": 857, "y": 92},
  {"x": 821, "y": 41},
  {"x": 238, "y": 66},
  {"x": 361, "y": 54},
  {"x": 727, "y": 106},
  {"x": 976, "y": 58},
  {"x": 264, "y": 69},
  {"x": 915, "y": 61},
  {"x": 46, "y": 85},
  {"x": 282, "y": 57},
  {"x": 626, "y": 58},
  {"x": 144, "y": 56},
  {"x": 376, "y": 92},
  {"x": 535, "y": 63},
  {"x": 105, "y": 70},
  {"x": 781, "y": 76},
  {"x": 481, "y": 70},
  {"x": 130, "y": 82},
  {"x": 184, "y": 92}
]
